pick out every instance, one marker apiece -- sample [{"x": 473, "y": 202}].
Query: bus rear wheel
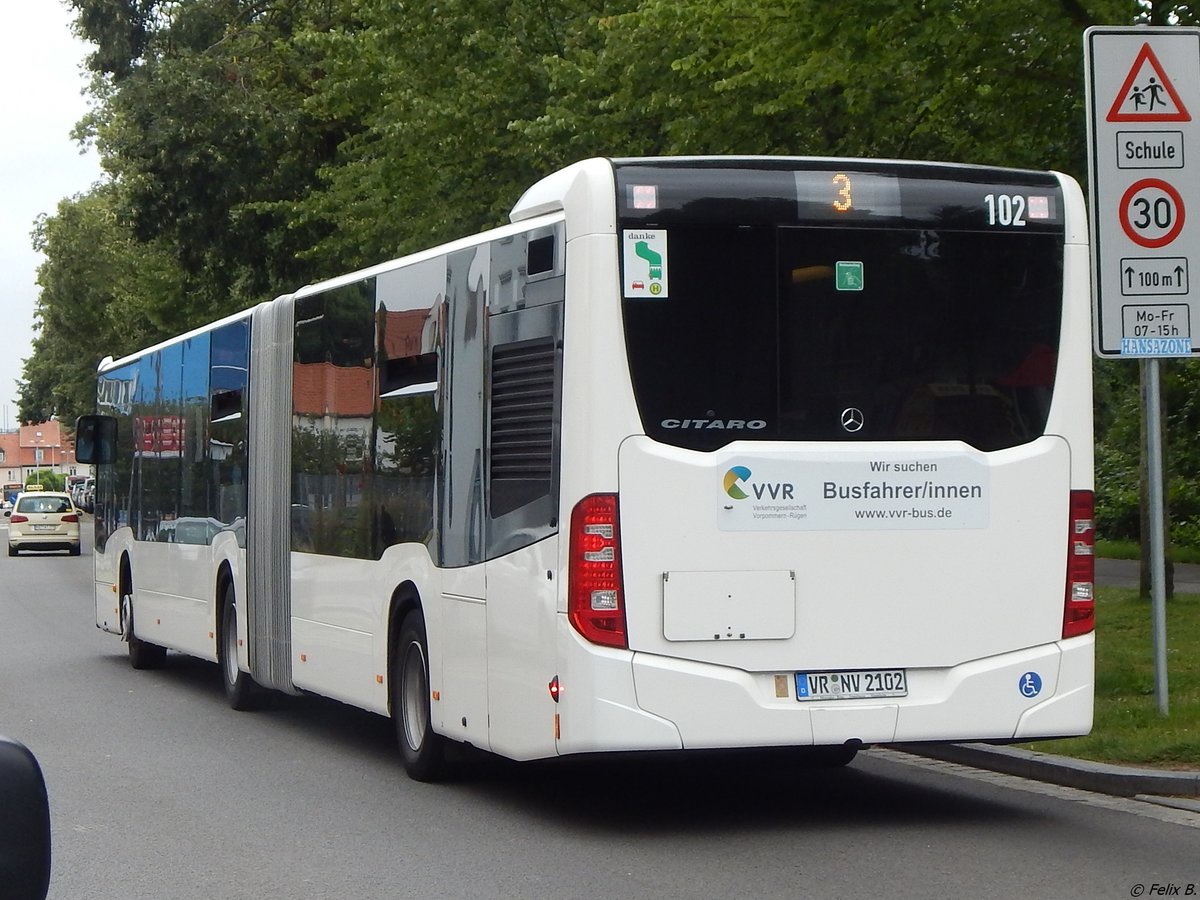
[
  {"x": 142, "y": 655},
  {"x": 240, "y": 689},
  {"x": 423, "y": 750}
]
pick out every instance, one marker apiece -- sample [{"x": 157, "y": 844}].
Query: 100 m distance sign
[{"x": 1151, "y": 213}]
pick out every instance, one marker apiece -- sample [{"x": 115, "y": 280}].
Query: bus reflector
[
  {"x": 1079, "y": 616},
  {"x": 595, "y": 604}
]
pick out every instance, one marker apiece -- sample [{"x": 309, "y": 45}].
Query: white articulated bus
[{"x": 694, "y": 453}]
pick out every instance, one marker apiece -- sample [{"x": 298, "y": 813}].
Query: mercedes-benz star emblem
[{"x": 852, "y": 419}]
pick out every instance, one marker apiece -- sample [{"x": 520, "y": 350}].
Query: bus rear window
[{"x": 842, "y": 334}]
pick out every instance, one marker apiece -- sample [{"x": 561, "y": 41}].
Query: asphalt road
[
  {"x": 158, "y": 790},
  {"x": 1127, "y": 573}
]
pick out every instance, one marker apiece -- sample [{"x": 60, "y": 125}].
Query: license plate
[
  {"x": 853, "y": 685},
  {"x": 45, "y": 528}
]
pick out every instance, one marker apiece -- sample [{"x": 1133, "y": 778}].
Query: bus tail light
[
  {"x": 595, "y": 596},
  {"x": 1079, "y": 616}
]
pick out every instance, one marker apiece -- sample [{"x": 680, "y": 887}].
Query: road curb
[{"x": 1119, "y": 781}]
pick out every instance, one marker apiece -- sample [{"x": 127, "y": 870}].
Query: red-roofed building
[
  {"x": 336, "y": 400},
  {"x": 37, "y": 447},
  {"x": 407, "y": 332},
  {"x": 321, "y": 390}
]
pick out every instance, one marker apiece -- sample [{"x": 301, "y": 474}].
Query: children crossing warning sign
[{"x": 1147, "y": 94}]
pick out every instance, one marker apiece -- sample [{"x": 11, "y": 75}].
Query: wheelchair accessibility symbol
[{"x": 1030, "y": 684}]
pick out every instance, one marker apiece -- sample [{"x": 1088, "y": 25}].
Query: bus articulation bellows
[{"x": 694, "y": 453}]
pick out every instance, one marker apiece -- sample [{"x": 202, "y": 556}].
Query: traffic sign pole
[{"x": 1158, "y": 554}]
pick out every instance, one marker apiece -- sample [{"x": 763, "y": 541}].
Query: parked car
[
  {"x": 189, "y": 530},
  {"x": 43, "y": 520},
  {"x": 75, "y": 489}
]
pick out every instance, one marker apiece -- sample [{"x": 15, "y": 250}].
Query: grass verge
[{"x": 1128, "y": 729}]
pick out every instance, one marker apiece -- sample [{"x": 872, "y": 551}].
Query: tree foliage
[
  {"x": 254, "y": 145},
  {"x": 103, "y": 293}
]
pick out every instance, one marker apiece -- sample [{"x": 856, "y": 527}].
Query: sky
[{"x": 41, "y": 80}]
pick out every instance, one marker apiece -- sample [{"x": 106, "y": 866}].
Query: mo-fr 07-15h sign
[{"x": 1143, "y": 87}]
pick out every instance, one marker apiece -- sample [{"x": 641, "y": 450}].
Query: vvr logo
[
  {"x": 733, "y": 478},
  {"x": 740, "y": 475}
]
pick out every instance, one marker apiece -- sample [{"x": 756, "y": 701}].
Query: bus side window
[
  {"x": 407, "y": 440},
  {"x": 408, "y": 420}
]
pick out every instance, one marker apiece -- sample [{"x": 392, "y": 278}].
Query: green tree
[
  {"x": 984, "y": 81},
  {"x": 435, "y": 91},
  {"x": 205, "y": 129}
]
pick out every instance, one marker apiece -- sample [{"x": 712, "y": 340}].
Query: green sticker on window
[{"x": 848, "y": 276}]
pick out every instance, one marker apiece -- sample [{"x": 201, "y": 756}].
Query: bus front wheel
[{"x": 422, "y": 749}]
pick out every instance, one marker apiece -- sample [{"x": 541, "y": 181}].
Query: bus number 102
[{"x": 1003, "y": 209}]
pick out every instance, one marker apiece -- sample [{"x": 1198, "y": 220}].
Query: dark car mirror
[{"x": 24, "y": 824}]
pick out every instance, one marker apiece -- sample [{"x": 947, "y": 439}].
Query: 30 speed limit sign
[{"x": 1151, "y": 212}]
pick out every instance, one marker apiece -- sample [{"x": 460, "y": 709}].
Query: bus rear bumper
[{"x": 1038, "y": 692}]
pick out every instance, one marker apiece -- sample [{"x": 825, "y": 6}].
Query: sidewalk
[
  {"x": 1101, "y": 778},
  {"x": 1159, "y": 785}
]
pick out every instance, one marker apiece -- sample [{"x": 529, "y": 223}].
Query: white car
[{"x": 43, "y": 520}]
